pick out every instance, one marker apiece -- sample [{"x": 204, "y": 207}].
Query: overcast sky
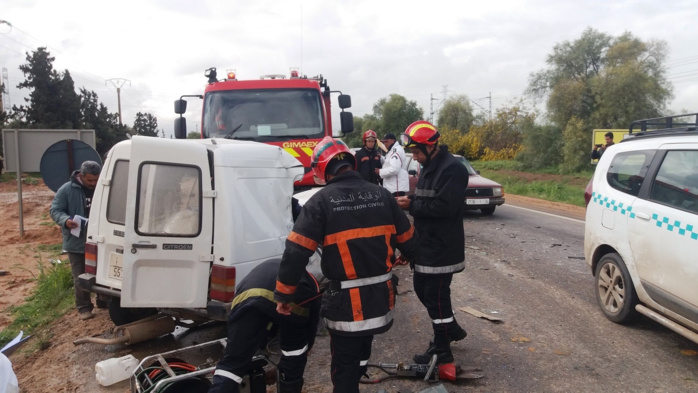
[{"x": 366, "y": 48}]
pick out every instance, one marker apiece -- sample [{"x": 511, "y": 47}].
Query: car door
[
  {"x": 169, "y": 225},
  {"x": 663, "y": 235}
]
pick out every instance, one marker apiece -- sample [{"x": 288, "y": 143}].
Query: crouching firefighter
[
  {"x": 253, "y": 310},
  {"x": 358, "y": 225}
]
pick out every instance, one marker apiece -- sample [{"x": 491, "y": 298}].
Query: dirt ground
[{"x": 62, "y": 365}]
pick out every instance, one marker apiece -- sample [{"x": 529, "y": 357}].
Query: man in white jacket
[{"x": 394, "y": 171}]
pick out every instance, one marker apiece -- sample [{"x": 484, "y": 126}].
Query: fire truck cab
[{"x": 293, "y": 113}]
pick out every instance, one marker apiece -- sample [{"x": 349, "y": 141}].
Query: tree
[
  {"x": 192, "y": 135},
  {"x": 95, "y": 116},
  {"x": 456, "y": 113},
  {"x": 52, "y": 101},
  {"x": 394, "y": 114},
  {"x": 603, "y": 81},
  {"x": 145, "y": 124}
]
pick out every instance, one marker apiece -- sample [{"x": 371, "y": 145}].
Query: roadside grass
[
  {"x": 546, "y": 184},
  {"x": 52, "y": 297}
]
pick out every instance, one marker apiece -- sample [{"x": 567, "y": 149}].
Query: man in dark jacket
[
  {"x": 69, "y": 209},
  {"x": 252, "y": 312},
  {"x": 368, "y": 158},
  {"x": 437, "y": 208},
  {"x": 358, "y": 225}
]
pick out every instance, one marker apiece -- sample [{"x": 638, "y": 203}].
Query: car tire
[
  {"x": 123, "y": 316},
  {"x": 488, "y": 211},
  {"x": 614, "y": 289}
]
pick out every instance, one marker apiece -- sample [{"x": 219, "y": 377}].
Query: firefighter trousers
[
  {"x": 245, "y": 337},
  {"x": 434, "y": 291},
  {"x": 350, "y": 355}
]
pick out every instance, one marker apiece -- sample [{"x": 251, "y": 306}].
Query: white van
[{"x": 174, "y": 224}]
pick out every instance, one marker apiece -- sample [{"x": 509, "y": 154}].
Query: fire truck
[{"x": 293, "y": 113}]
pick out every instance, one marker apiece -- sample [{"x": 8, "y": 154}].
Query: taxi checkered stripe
[{"x": 674, "y": 226}]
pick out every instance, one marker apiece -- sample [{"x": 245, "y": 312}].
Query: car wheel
[
  {"x": 615, "y": 292},
  {"x": 488, "y": 211},
  {"x": 122, "y": 316}
]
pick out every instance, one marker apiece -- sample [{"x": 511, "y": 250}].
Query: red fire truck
[{"x": 293, "y": 113}]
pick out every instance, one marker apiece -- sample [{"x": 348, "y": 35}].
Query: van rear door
[{"x": 169, "y": 225}]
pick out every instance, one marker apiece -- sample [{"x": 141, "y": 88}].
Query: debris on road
[{"x": 479, "y": 314}]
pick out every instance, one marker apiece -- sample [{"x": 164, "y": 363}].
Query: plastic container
[{"x": 111, "y": 371}]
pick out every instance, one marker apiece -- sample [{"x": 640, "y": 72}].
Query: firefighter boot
[
  {"x": 441, "y": 347},
  {"x": 455, "y": 333},
  {"x": 289, "y": 386}
]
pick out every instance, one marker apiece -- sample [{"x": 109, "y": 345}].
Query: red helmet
[
  {"x": 328, "y": 156},
  {"x": 420, "y": 133},
  {"x": 370, "y": 134}
]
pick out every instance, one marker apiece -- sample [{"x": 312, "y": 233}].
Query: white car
[{"x": 641, "y": 231}]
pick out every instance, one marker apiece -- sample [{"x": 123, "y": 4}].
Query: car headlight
[{"x": 497, "y": 191}]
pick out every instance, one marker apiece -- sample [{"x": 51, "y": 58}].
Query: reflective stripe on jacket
[
  {"x": 437, "y": 208},
  {"x": 358, "y": 225}
]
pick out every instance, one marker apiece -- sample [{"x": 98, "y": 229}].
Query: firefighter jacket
[
  {"x": 358, "y": 224},
  {"x": 257, "y": 290},
  {"x": 367, "y": 161},
  {"x": 394, "y": 171},
  {"x": 437, "y": 208}
]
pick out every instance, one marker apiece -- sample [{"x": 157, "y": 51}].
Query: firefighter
[
  {"x": 368, "y": 158},
  {"x": 358, "y": 225},
  {"x": 252, "y": 312},
  {"x": 437, "y": 209}
]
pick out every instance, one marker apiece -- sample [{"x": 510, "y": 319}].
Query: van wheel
[
  {"x": 488, "y": 211},
  {"x": 122, "y": 316},
  {"x": 615, "y": 292}
]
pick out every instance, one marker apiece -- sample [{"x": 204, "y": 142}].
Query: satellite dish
[{"x": 62, "y": 158}]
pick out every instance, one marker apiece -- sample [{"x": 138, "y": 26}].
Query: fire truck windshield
[{"x": 263, "y": 115}]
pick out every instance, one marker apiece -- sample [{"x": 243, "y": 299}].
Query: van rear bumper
[{"x": 215, "y": 309}]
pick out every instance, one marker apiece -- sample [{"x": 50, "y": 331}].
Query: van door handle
[
  {"x": 144, "y": 245},
  {"x": 643, "y": 216}
]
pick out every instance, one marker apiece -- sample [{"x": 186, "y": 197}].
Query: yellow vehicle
[{"x": 598, "y": 139}]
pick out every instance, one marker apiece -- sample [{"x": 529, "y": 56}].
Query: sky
[{"x": 426, "y": 51}]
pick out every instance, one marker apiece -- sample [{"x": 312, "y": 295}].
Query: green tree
[
  {"x": 393, "y": 114},
  {"x": 603, "y": 81},
  {"x": 542, "y": 147},
  {"x": 145, "y": 124},
  {"x": 456, "y": 113},
  {"x": 575, "y": 145},
  {"x": 192, "y": 135},
  {"x": 52, "y": 102},
  {"x": 95, "y": 116}
]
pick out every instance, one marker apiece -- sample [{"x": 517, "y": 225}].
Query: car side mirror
[{"x": 478, "y": 172}]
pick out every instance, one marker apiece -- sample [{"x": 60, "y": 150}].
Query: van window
[
  {"x": 169, "y": 200},
  {"x": 628, "y": 170},
  {"x": 118, "y": 191},
  {"x": 676, "y": 183}
]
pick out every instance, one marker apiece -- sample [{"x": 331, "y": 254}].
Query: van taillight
[
  {"x": 222, "y": 283},
  {"x": 91, "y": 258}
]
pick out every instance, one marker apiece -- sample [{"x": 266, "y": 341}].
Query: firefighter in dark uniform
[
  {"x": 437, "y": 209},
  {"x": 253, "y": 309},
  {"x": 368, "y": 158},
  {"x": 358, "y": 225}
]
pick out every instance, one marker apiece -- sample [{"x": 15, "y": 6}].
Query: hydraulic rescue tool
[{"x": 428, "y": 372}]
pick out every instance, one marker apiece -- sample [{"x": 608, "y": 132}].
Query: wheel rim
[{"x": 611, "y": 288}]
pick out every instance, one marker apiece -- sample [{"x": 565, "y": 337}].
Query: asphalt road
[{"x": 527, "y": 268}]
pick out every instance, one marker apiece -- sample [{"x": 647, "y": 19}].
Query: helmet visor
[{"x": 407, "y": 141}]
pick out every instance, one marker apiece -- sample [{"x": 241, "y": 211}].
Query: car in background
[
  {"x": 482, "y": 193},
  {"x": 641, "y": 226}
]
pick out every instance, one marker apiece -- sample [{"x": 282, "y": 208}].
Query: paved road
[{"x": 528, "y": 269}]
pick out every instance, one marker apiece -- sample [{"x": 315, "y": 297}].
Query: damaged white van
[{"x": 175, "y": 224}]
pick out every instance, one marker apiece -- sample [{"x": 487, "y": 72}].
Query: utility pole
[
  {"x": 5, "y": 105},
  {"x": 490, "y": 96},
  {"x": 118, "y": 83},
  {"x": 431, "y": 108}
]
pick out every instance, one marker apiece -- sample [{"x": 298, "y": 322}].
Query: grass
[
  {"x": 52, "y": 297},
  {"x": 546, "y": 184}
]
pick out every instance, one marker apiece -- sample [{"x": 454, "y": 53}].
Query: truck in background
[
  {"x": 294, "y": 113},
  {"x": 175, "y": 224}
]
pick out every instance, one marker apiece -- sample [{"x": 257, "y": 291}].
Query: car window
[
  {"x": 628, "y": 170},
  {"x": 118, "y": 193},
  {"x": 676, "y": 183}
]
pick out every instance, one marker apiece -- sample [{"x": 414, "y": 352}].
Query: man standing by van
[
  {"x": 70, "y": 209},
  {"x": 394, "y": 171}
]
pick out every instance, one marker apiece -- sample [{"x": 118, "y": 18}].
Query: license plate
[
  {"x": 116, "y": 266},
  {"x": 478, "y": 201}
]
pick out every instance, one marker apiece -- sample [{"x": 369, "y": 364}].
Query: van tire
[
  {"x": 615, "y": 292},
  {"x": 123, "y": 316}
]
